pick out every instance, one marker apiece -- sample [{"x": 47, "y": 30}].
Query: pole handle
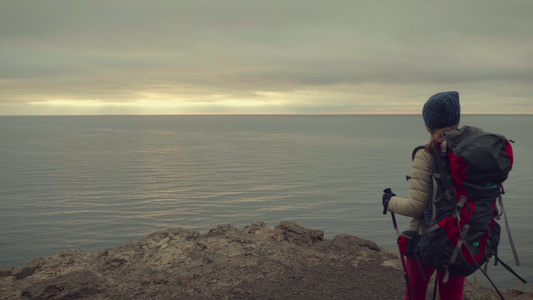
[{"x": 386, "y": 191}]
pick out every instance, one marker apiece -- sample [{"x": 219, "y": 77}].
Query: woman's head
[
  {"x": 442, "y": 110},
  {"x": 441, "y": 113}
]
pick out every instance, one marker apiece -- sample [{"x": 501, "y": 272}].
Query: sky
[{"x": 86, "y": 57}]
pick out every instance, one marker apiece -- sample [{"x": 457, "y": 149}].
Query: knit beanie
[{"x": 442, "y": 110}]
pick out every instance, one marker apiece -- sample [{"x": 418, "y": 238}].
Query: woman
[{"x": 441, "y": 113}]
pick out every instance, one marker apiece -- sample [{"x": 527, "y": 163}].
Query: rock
[
  {"x": 27, "y": 271},
  {"x": 297, "y": 234},
  {"x": 256, "y": 262}
]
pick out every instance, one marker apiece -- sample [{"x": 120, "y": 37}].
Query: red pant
[{"x": 451, "y": 290}]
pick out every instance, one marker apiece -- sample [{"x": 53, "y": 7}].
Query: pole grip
[{"x": 386, "y": 191}]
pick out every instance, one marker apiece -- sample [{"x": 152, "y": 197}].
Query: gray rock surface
[{"x": 256, "y": 262}]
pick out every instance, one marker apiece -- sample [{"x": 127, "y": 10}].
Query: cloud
[{"x": 275, "y": 56}]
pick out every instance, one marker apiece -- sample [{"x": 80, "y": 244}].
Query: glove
[{"x": 387, "y": 194}]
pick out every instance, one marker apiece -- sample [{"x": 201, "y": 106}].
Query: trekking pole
[{"x": 404, "y": 267}]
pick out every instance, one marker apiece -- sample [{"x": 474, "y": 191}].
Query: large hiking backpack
[{"x": 459, "y": 232}]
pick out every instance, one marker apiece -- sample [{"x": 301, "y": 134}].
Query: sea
[{"x": 93, "y": 182}]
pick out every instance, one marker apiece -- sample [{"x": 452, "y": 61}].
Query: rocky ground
[{"x": 256, "y": 262}]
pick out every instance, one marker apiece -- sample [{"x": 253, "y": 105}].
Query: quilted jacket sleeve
[{"x": 414, "y": 205}]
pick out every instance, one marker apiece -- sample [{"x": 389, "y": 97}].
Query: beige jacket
[{"x": 418, "y": 192}]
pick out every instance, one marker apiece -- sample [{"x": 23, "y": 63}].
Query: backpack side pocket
[{"x": 407, "y": 242}]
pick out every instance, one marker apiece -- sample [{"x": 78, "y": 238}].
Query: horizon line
[{"x": 251, "y": 114}]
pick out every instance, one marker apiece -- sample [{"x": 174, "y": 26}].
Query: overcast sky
[{"x": 195, "y": 56}]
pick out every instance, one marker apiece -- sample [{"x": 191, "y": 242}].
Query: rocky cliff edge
[{"x": 256, "y": 262}]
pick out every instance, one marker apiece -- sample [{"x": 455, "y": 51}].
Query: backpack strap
[
  {"x": 433, "y": 199},
  {"x": 508, "y": 268},
  {"x": 408, "y": 177},
  {"x": 513, "y": 248},
  {"x": 446, "y": 274},
  {"x": 440, "y": 170},
  {"x": 416, "y": 150},
  {"x": 419, "y": 233},
  {"x": 443, "y": 148},
  {"x": 458, "y": 209}
]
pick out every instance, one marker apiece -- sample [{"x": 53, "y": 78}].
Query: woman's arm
[{"x": 419, "y": 191}]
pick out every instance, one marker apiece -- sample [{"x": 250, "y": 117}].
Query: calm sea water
[{"x": 97, "y": 181}]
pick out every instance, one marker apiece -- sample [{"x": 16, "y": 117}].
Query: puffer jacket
[{"x": 415, "y": 204}]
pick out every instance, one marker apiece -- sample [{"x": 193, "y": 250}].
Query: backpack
[{"x": 459, "y": 231}]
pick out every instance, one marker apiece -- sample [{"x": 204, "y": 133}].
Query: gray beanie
[{"x": 442, "y": 110}]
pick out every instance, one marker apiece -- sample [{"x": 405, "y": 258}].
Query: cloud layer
[{"x": 153, "y": 57}]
